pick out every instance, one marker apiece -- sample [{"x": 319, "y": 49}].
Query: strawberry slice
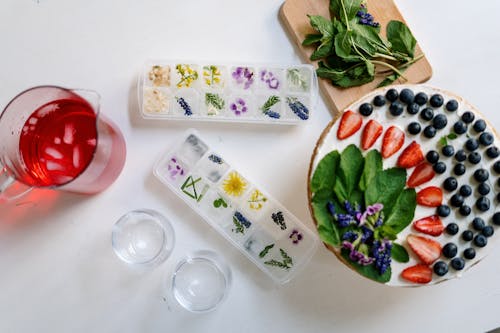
[
  {"x": 392, "y": 142},
  {"x": 411, "y": 156},
  {"x": 349, "y": 124},
  {"x": 431, "y": 196},
  {"x": 422, "y": 174},
  {"x": 430, "y": 225},
  {"x": 417, "y": 274},
  {"x": 428, "y": 250},
  {"x": 371, "y": 132}
]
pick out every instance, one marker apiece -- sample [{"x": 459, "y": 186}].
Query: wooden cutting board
[{"x": 293, "y": 14}]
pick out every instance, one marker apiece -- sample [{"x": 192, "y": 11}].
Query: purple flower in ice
[
  {"x": 269, "y": 78},
  {"x": 295, "y": 236},
  {"x": 239, "y": 106},
  {"x": 244, "y": 76},
  {"x": 174, "y": 168}
]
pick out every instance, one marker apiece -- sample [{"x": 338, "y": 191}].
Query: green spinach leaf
[
  {"x": 325, "y": 173},
  {"x": 385, "y": 187},
  {"x": 403, "y": 211},
  {"x": 327, "y": 230},
  {"x": 399, "y": 253},
  {"x": 350, "y": 168},
  {"x": 369, "y": 271},
  {"x": 373, "y": 164}
]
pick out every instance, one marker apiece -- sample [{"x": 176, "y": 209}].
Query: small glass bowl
[
  {"x": 143, "y": 238},
  {"x": 201, "y": 281}
]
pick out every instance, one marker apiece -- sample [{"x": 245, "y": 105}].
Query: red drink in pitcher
[
  {"x": 58, "y": 139},
  {"x": 58, "y": 142}
]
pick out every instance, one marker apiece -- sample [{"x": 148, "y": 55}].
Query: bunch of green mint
[{"x": 349, "y": 49}]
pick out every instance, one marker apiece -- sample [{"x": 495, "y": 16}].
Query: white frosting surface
[{"x": 383, "y": 116}]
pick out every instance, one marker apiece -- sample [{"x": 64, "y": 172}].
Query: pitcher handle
[{"x": 10, "y": 188}]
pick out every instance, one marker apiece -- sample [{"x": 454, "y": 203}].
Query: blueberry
[
  {"x": 459, "y": 169},
  {"x": 474, "y": 158},
  {"x": 496, "y": 218},
  {"x": 366, "y": 109},
  {"x": 479, "y": 125},
  {"x": 396, "y": 108},
  {"x": 436, "y": 100},
  {"x": 414, "y": 128},
  {"x": 488, "y": 231},
  {"x": 432, "y": 156},
  {"x": 480, "y": 241},
  {"x": 469, "y": 253},
  {"x": 429, "y": 131},
  {"x": 486, "y": 139},
  {"x": 450, "y": 184},
  {"x": 413, "y": 108},
  {"x": 440, "y": 121},
  {"x": 465, "y": 210},
  {"x": 443, "y": 211},
  {"x": 459, "y": 127},
  {"x": 452, "y": 105},
  {"x": 440, "y": 268},
  {"x": 427, "y": 114},
  {"x": 421, "y": 98},
  {"x": 392, "y": 95},
  {"x": 483, "y": 189},
  {"x": 406, "y": 96},
  {"x": 460, "y": 155},
  {"x": 468, "y": 117},
  {"x": 379, "y": 100},
  {"x": 448, "y": 150},
  {"x": 471, "y": 144},
  {"x": 467, "y": 235},
  {"x": 439, "y": 167},
  {"x": 458, "y": 264},
  {"x": 457, "y": 200},
  {"x": 483, "y": 204},
  {"x": 496, "y": 166},
  {"x": 452, "y": 228},
  {"x": 450, "y": 250},
  {"x": 478, "y": 224},
  {"x": 465, "y": 190},
  {"x": 492, "y": 152},
  {"x": 481, "y": 175}
]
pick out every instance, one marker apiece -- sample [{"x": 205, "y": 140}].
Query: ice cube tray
[
  {"x": 244, "y": 213},
  {"x": 267, "y": 94}
]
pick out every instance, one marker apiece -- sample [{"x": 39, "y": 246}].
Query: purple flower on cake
[
  {"x": 356, "y": 255},
  {"x": 243, "y": 76},
  {"x": 370, "y": 211},
  {"x": 269, "y": 78},
  {"x": 239, "y": 106}
]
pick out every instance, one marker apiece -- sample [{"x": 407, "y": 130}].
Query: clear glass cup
[
  {"x": 143, "y": 238},
  {"x": 201, "y": 281},
  {"x": 53, "y": 137}
]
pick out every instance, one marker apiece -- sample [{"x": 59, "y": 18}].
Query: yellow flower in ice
[
  {"x": 257, "y": 199},
  {"x": 234, "y": 184}
]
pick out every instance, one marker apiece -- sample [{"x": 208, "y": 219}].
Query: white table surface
[{"x": 58, "y": 272}]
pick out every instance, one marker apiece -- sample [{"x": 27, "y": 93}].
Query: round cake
[{"x": 403, "y": 186}]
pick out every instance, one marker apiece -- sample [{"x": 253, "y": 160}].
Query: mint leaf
[
  {"x": 443, "y": 141},
  {"x": 401, "y": 38},
  {"x": 368, "y": 271},
  {"x": 385, "y": 187},
  {"x": 324, "y": 175},
  {"x": 373, "y": 164},
  {"x": 403, "y": 211},
  {"x": 327, "y": 230},
  {"x": 345, "y": 10},
  {"x": 399, "y": 253},
  {"x": 452, "y": 136},
  {"x": 322, "y": 25},
  {"x": 350, "y": 168},
  {"x": 343, "y": 44},
  {"x": 312, "y": 39}
]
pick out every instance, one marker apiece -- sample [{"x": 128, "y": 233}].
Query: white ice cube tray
[
  {"x": 267, "y": 94},
  {"x": 244, "y": 213}
]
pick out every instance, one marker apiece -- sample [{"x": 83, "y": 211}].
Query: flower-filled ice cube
[{"x": 243, "y": 77}]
